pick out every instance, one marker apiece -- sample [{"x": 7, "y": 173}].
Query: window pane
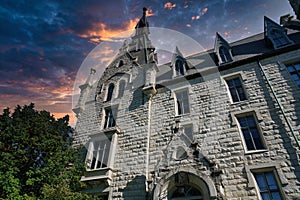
[
  {"x": 265, "y": 196},
  {"x": 251, "y": 121},
  {"x": 243, "y": 122},
  {"x": 110, "y": 92},
  {"x": 297, "y": 66},
  {"x": 290, "y": 68},
  {"x": 236, "y": 89},
  {"x": 271, "y": 181},
  {"x": 230, "y": 83},
  {"x": 261, "y": 182},
  {"x": 237, "y": 82},
  {"x": 182, "y": 102},
  {"x": 267, "y": 185},
  {"x": 276, "y": 195},
  {"x": 295, "y": 77}
]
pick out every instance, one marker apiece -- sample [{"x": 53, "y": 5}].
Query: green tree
[{"x": 37, "y": 158}]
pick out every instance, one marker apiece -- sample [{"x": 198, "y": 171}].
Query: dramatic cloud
[{"x": 43, "y": 43}]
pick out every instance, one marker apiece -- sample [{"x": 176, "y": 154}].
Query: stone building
[{"x": 223, "y": 128}]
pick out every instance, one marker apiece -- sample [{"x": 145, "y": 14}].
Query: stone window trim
[
  {"x": 183, "y": 70},
  {"x": 112, "y": 136},
  {"x": 110, "y": 91},
  {"x": 242, "y": 77},
  {"x": 286, "y": 63},
  {"x": 256, "y": 113},
  {"x": 224, "y": 55},
  {"x": 114, "y": 112},
  {"x": 258, "y": 119},
  {"x": 179, "y": 90},
  {"x": 265, "y": 167},
  {"x": 279, "y": 39}
]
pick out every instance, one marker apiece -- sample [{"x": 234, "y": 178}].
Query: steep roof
[{"x": 243, "y": 50}]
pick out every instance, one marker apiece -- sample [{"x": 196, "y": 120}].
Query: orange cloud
[
  {"x": 169, "y": 5},
  {"x": 204, "y": 10},
  {"x": 150, "y": 12},
  {"x": 100, "y": 31}
]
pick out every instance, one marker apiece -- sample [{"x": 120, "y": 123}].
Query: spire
[
  {"x": 140, "y": 46},
  {"x": 84, "y": 90},
  {"x": 177, "y": 53},
  {"x": 89, "y": 80},
  {"x": 142, "y": 26}
]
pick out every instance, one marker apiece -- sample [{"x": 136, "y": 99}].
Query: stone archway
[{"x": 184, "y": 185}]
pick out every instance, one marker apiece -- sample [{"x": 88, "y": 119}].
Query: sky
[{"x": 43, "y": 43}]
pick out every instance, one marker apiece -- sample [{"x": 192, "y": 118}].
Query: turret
[{"x": 84, "y": 91}]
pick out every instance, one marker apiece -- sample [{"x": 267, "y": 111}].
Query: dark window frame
[
  {"x": 110, "y": 91},
  {"x": 180, "y": 68},
  {"x": 110, "y": 114},
  {"x": 225, "y": 54},
  {"x": 182, "y": 102},
  {"x": 236, "y": 88},
  {"x": 251, "y": 132},
  {"x": 294, "y": 71},
  {"x": 268, "y": 184}
]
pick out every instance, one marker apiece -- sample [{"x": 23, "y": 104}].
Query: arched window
[
  {"x": 224, "y": 55},
  {"x": 121, "y": 63},
  {"x": 122, "y": 84},
  {"x": 278, "y": 38},
  {"x": 179, "y": 67},
  {"x": 110, "y": 92}
]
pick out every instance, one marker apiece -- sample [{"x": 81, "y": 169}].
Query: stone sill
[
  {"x": 101, "y": 174},
  {"x": 255, "y": 151}
]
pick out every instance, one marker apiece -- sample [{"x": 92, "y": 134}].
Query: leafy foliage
[{"x": 37, "y": 159}]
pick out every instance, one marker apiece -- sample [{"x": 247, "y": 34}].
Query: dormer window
[
  {"x": 179, "y": 67},
  {"x": 222, "y": 50},
  {"x": 224, "y": 54},
  {"x": 279, "y": 38},
  {"x": 110, "y": 92},
  {"x": 178, "y": 63},
  {"x": 275, "y": 35}
]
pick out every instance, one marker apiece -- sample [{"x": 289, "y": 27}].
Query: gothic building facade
[{"x": 227, "y": 127}]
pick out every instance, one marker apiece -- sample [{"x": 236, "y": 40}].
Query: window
[
  {"x": 121, "y": 63},
  {"x": 110, "y": 92},
  {"x": 182, "y": 102},
  {"x": 236, "y": 89},
  {"x": 224, "y": 55},
  {"x": 295, "y": 72},
  {"x": 186, "y": 192},
  {"x": 250, "y": 132},
  {"x": 179, "y": 67},
  {"x": 99, "y": 154},
  {"x": 109, "y": 117},
  {"x": 122, "y": 84},
  {"x": 279, "y": 38},
  {"x": 267, "y": 185},
  {"x": 188, "y": 131}
]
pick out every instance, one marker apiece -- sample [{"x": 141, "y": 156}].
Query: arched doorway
[
  {"x": 186, "y": 192},
  {"x": 185, "y": 184}
]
